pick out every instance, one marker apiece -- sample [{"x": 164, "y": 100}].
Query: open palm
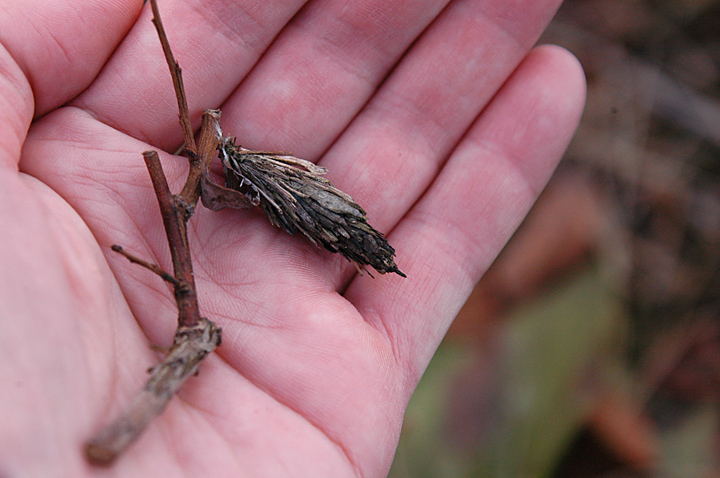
[{"x": 435, "y": 116}]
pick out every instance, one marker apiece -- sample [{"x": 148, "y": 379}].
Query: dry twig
[{"x": 196, "y": 336}]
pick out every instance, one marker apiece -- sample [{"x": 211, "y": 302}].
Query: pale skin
[{"x": 438, "y": 118}]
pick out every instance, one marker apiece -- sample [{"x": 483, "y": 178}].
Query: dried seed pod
[{"x": 295, "y": 196}]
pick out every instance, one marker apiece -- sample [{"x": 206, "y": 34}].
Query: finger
[
  {"x": 305, "y": 72},
  {"x": 61, "y": 46},
  {"x": 489, "y": 183},
  {"x": 321, "y": 70},
  {"x": 51, "y": 51},
  {"x": 216, "y": 44},
  {"x": 390, "y": 154}
]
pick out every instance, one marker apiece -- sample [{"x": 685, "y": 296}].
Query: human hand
[{"x": 435, "y": 118}]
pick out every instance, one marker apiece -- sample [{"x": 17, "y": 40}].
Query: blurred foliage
[
  {"x": 592, "y": 345},
  {"x": 512, "y": 415}
]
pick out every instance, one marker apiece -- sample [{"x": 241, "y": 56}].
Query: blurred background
[{"x": 592, "y": 346}]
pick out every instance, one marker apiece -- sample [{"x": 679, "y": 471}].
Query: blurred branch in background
[{"x": 592, "y": 346}]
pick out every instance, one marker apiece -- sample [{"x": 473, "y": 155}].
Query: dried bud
[{"x": 296, "y": 197}]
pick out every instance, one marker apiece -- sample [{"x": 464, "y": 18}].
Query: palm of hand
[{"x": 317, "y": 363}]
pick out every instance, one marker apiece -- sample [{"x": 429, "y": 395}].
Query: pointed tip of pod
[{"x": 399, "y": 272}]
